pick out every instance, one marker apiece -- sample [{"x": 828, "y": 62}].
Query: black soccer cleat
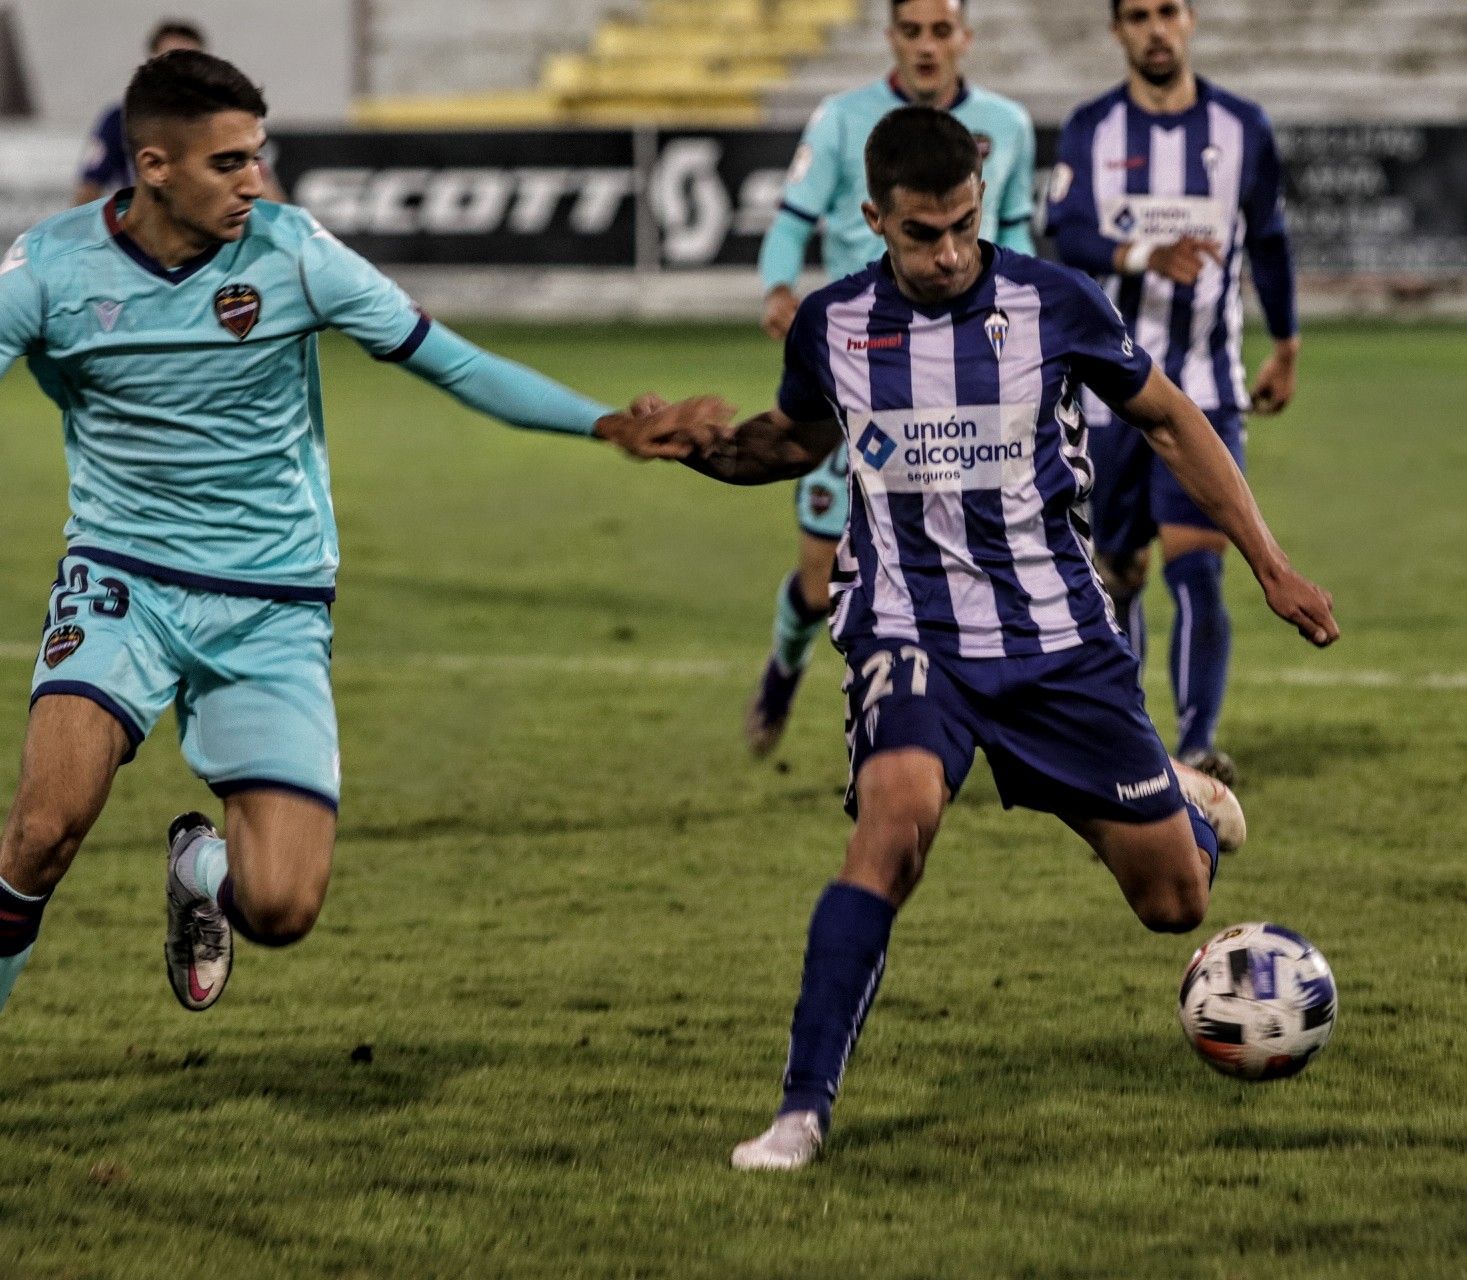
[{"x": 769, "y": 709}]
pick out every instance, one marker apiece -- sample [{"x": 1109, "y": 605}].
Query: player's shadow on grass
[
  {"x": 1295, "y": 751},
  {"x": 315, "y": 1081}
]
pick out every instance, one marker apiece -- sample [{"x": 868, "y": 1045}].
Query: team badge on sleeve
[
  {"x": 238, "y": 308},
  {"x": 61, "y": 644},
  {"x": 996, "y": 326}
]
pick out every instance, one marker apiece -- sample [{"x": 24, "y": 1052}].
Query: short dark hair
[
  {"x": 922, "y": 149},
  {"x": 177, "y": 29},
  {"x": 187, "y": 85},
  {"x": 1115, "y": 8}
]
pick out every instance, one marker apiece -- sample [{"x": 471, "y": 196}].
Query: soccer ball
[{"x": 1258, "y": 1002}]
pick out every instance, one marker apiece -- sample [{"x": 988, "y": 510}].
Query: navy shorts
[
  {"x": 1065, "y": 733},
  {"x": 1135, "y": 493}
]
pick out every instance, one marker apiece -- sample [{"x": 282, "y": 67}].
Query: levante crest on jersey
[
  {"x": 238, "y": 308},
  {"x": 996, "y": 326},
  {"x": 61, "y": 644}
]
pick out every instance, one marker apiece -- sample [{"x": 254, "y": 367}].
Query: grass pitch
[{"x": 551, "y": 985}]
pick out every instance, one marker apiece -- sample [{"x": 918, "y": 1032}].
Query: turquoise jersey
[
  {"x": 191, "y": 398},
  {"x": 827, "y": 180}
]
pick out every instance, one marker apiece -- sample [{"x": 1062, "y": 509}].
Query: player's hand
[
  {"x": 1309, "y": 607},
  {"x": 780, "y": 305},
  {"x": 652, "y": 428},
  {"x": 1277, "y": 378},
  {"x": 1183, "y": 262}
]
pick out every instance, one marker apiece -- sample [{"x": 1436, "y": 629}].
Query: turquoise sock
[
  {"x": 203, "y": 868},
  {"x": 795, "y": 626},
  {"x": 10, "y": 967}
]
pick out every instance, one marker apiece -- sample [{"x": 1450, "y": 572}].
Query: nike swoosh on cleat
[{"x": 195, "y": 991}]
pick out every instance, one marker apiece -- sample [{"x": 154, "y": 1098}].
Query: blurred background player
[
  {"x": 1160, "y": 184},
  {"x": 827, "y": 182},
  {"x": 107, "y": 165}
]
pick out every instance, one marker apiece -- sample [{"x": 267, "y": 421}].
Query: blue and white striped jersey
[
  {"x": 1125, "y": 174},
  {"x": 968, "y": 453}
]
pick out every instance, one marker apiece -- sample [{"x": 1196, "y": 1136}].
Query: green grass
[{"x": 567, "y": 913}]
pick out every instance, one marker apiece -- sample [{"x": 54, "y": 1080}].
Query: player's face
[
  {"x": 932, "y": 240},
  {"x": 1156, "y": 35},
  {"x": 929, "y": 39},
  {"x": 206, "y": 173}
]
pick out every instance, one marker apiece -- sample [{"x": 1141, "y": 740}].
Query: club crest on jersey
[
  {"x": 61, "y": 644},
  {"x": 238, "y": 308},
  {"x": 996, "y": 326},
  {"x": 985, "y": 145},
  {"x": 107, "y": 314},
  {"x": 1211, "y": 158}
]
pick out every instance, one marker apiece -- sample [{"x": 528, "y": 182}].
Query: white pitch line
[{"x": 636, "y": 668}]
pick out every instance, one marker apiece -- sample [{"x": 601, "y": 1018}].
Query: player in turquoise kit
[
  {"x": 827, "y": 184},
  {"x": 175, "y": 326}
]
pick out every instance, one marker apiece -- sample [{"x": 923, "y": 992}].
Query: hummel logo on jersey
[
  {"x": 238, "y": 308},
  {"x": 107, "y": 313},
  {"x": 996, "y": 326},
  {"x": 886, "y": 342},
  {"x": 1141, "y": 790},
  {"x": 876, "y": 446}
]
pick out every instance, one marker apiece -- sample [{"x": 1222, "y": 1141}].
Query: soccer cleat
[
  {"x": 1214, "y": 763},
  {"x": 769, "y": 709},
  {"x": 200, "y": 947},
  {"x": 1218, "y": 804},
  {"x": 791, "y": 1142}
]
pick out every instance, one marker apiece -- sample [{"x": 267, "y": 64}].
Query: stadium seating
[
  {"x": 679, "y": 61},
  {"x": 492, "y": 62},
  {"x": 1366, "y": 59}
]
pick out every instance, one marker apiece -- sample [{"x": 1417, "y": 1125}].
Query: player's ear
[
  {"x": 151, "y": 164},
  {"x": 873, "y": 217}
]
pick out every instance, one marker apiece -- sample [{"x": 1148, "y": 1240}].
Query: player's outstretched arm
[
  {"x": 1180, "y": 433},
  {"x": 766, "y": 448},
  {"x": 522, "y": 397}
]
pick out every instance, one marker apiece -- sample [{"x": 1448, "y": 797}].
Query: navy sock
[
  {"x": 1131, "y": 614},
  {"x": 1202, "y": 637},
  {"x": 844, "y": 960},
  {"x": 20, "y": 919},
  {"x": 1206, "y": 840},
  {"x": 20, "y": 923}
]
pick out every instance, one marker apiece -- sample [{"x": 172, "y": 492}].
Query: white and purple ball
[{"x": 1258, "y": 1002}]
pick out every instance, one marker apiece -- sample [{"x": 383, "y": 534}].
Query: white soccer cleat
[
  {"x": 791, "y": 1142},
  {"x": 200, "y": 947},
  {"x": 1218, "y": 804}
]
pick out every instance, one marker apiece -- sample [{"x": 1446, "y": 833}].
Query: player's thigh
[
  {"x": 256, "y": 709},
  {"x": 1069, "y": 734},
  {"x": 1158, "y": 866},
  {"x": 73, "y": 749},
  {"x": 1178, "y": 517},
  {"x": 280, "y": 849},
  {"x": 902, "y": 700},
  {"x": 822, "y": 502},
  {"x": 1120, "y": 497}
]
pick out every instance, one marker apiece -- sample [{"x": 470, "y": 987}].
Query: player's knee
[
  {"x": 1176, "y": 908},
  {"x": 279, "y": 919},
  {"x": 43, "y": 841}
]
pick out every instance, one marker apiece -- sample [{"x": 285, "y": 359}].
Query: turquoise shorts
[
  {"x": 250, "y": 679},
  {"x": 821, "y": 501}
]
